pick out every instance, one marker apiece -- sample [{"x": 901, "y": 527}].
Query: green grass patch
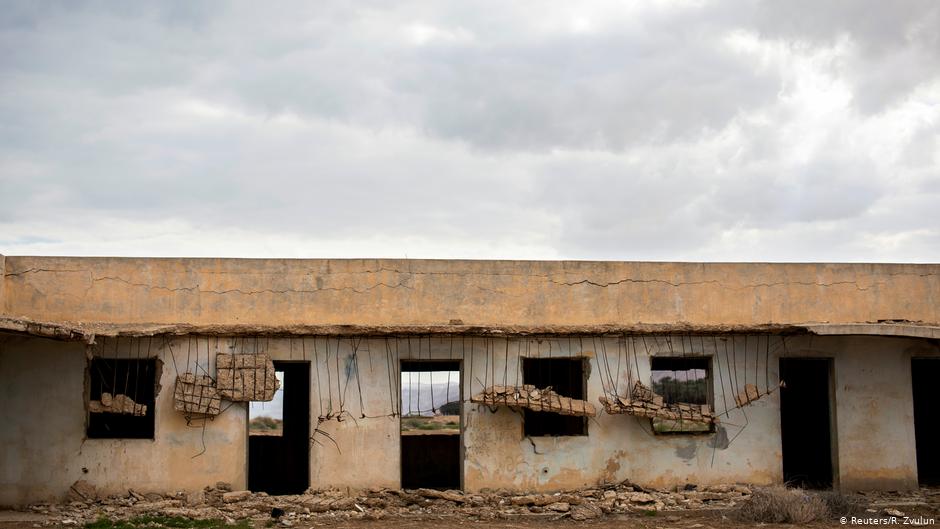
[{"x": 141, "y": 522}]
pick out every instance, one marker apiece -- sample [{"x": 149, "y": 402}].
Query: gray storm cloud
[{"x": 671, "y": 130}]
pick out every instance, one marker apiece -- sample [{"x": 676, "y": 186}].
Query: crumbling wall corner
[{"x": 3, "y": 282}]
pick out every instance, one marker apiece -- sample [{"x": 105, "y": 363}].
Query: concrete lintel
[
  {"x": 55, "y": 331},
  {"x": 131, "y": 330},
  {"x": 879, "y": 329},
  {"x": 87, "y": 331}
]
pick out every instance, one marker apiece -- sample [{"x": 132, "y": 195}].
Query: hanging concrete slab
[
  {"x": 529, "y": 397},
  {"x": 196, "y": 395},
  {"x": 245, "y": 377}
]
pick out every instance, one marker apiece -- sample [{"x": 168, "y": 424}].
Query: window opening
[
  {"x": 566, "y": 376},
  {"x": 681, "y": 380}
]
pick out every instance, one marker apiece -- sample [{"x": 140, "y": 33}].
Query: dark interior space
[
  {"x": 567, "y": 378},
  {"x": 430, "y": 461},
  {"x": 430, "y": 458},
  {"x": 925, "y": 372},
  {"x": 805, "y": 422},
  {"x": 135, "y": 378},
  {"x": 280, "y": 464}
]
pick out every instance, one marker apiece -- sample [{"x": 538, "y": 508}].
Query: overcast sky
[{"x": 719, "y": 131}]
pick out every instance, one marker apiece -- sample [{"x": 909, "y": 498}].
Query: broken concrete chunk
[
  {"x": 238, "y": 495},
  {"x": 646, "y": 403},
  {"x": 749, "y": 395},
  {"x": 642, "y": 498},
  {"x": 245, "y": 377},
  {"x": 530, "y": 397},
  {"x": 82, "y": 490},
  {"x": 642, "y": 392},
  {"x": 448, "y": 495},
  {"x": 196, "y": 395},
  {"x": 119, "y": 403}
]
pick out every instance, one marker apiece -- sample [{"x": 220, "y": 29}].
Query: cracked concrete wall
[
  {"x": 872, "y": 396},
  {"x": 2, "y": 283},
  {"x": 435, "y": 292},
  {"x": 874, "y": 408},
  {"x": 496, "y": 453},
  {"x": 43, "y": 449},
  {"x": 620, "y": 447},
  {"x": 874, "y": 438}
]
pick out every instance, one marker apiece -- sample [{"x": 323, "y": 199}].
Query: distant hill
[{"x": 441, "y": 395}]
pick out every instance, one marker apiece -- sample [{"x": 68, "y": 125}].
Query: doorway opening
[
  {"x": 431, "y": 445},
  {"x": 925, "y": 372},
  {"x": 279, "y": 433},
  {"x": 806, "y": 422}
]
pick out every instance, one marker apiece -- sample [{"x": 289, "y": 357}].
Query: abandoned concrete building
[{"x": 536, "y": 376}]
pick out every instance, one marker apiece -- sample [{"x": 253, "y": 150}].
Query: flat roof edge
[{"x": 88, "y": 331}]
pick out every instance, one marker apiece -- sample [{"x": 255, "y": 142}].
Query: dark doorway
[
  {"x": 279, "y": 432},
  {"x": 925, "y": 372},
  {"x": 806, "y": 422},
  {"x": 430, "y": 425}
]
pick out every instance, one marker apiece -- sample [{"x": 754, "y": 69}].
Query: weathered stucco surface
[
  {"x": 409, "y": 292},
  {"x": 43, "y": 449},
  {"x": 42, "y": 408},
  {"x": 42, "y": 401}
]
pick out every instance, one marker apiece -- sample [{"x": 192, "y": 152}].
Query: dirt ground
[
  {"x": 620, "y": 506},
  {"x": 704, "y": 519}
]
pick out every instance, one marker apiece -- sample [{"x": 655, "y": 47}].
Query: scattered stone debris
[
  {"x": 82, "y": 490},
  {"x": 119, "y": 403},
  {"x": 221, "y": 502},
  {"x": 644, "y": 402},
  {"x": 245, "y": 377},
  {"x": 529, "y": 397},
  {"x": 197, "y": 395}
]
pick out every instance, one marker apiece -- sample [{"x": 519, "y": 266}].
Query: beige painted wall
[
  {"x": 431, "y": 292},
  {"x": 43, "y": 449},
  {"x": 42, "y": 440},
  {"x": 873, "y": 402}
]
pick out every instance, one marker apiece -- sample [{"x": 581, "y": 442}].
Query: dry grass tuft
[
  {"x": 779, "y": 504},
  {"x": 840, "y": 504}
]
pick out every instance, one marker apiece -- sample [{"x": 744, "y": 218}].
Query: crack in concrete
[
  {"x": 714, "y": 281},
  {"x": 252, "y": 292},
  {"x": 38, "y": 270},
  {"x": 403, "y": 284},
  {"x": 631, "y": 280}
]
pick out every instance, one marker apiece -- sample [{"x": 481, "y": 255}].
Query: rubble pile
[
  {"x": 245, "y": 377},
  {"x": 644, "y": 402},
  {"x": 196, "y": 395},
  {"x": 119, "y": 403},
  {"x": 535, "y": 399},
  {"x": 220, "y": 502}
]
